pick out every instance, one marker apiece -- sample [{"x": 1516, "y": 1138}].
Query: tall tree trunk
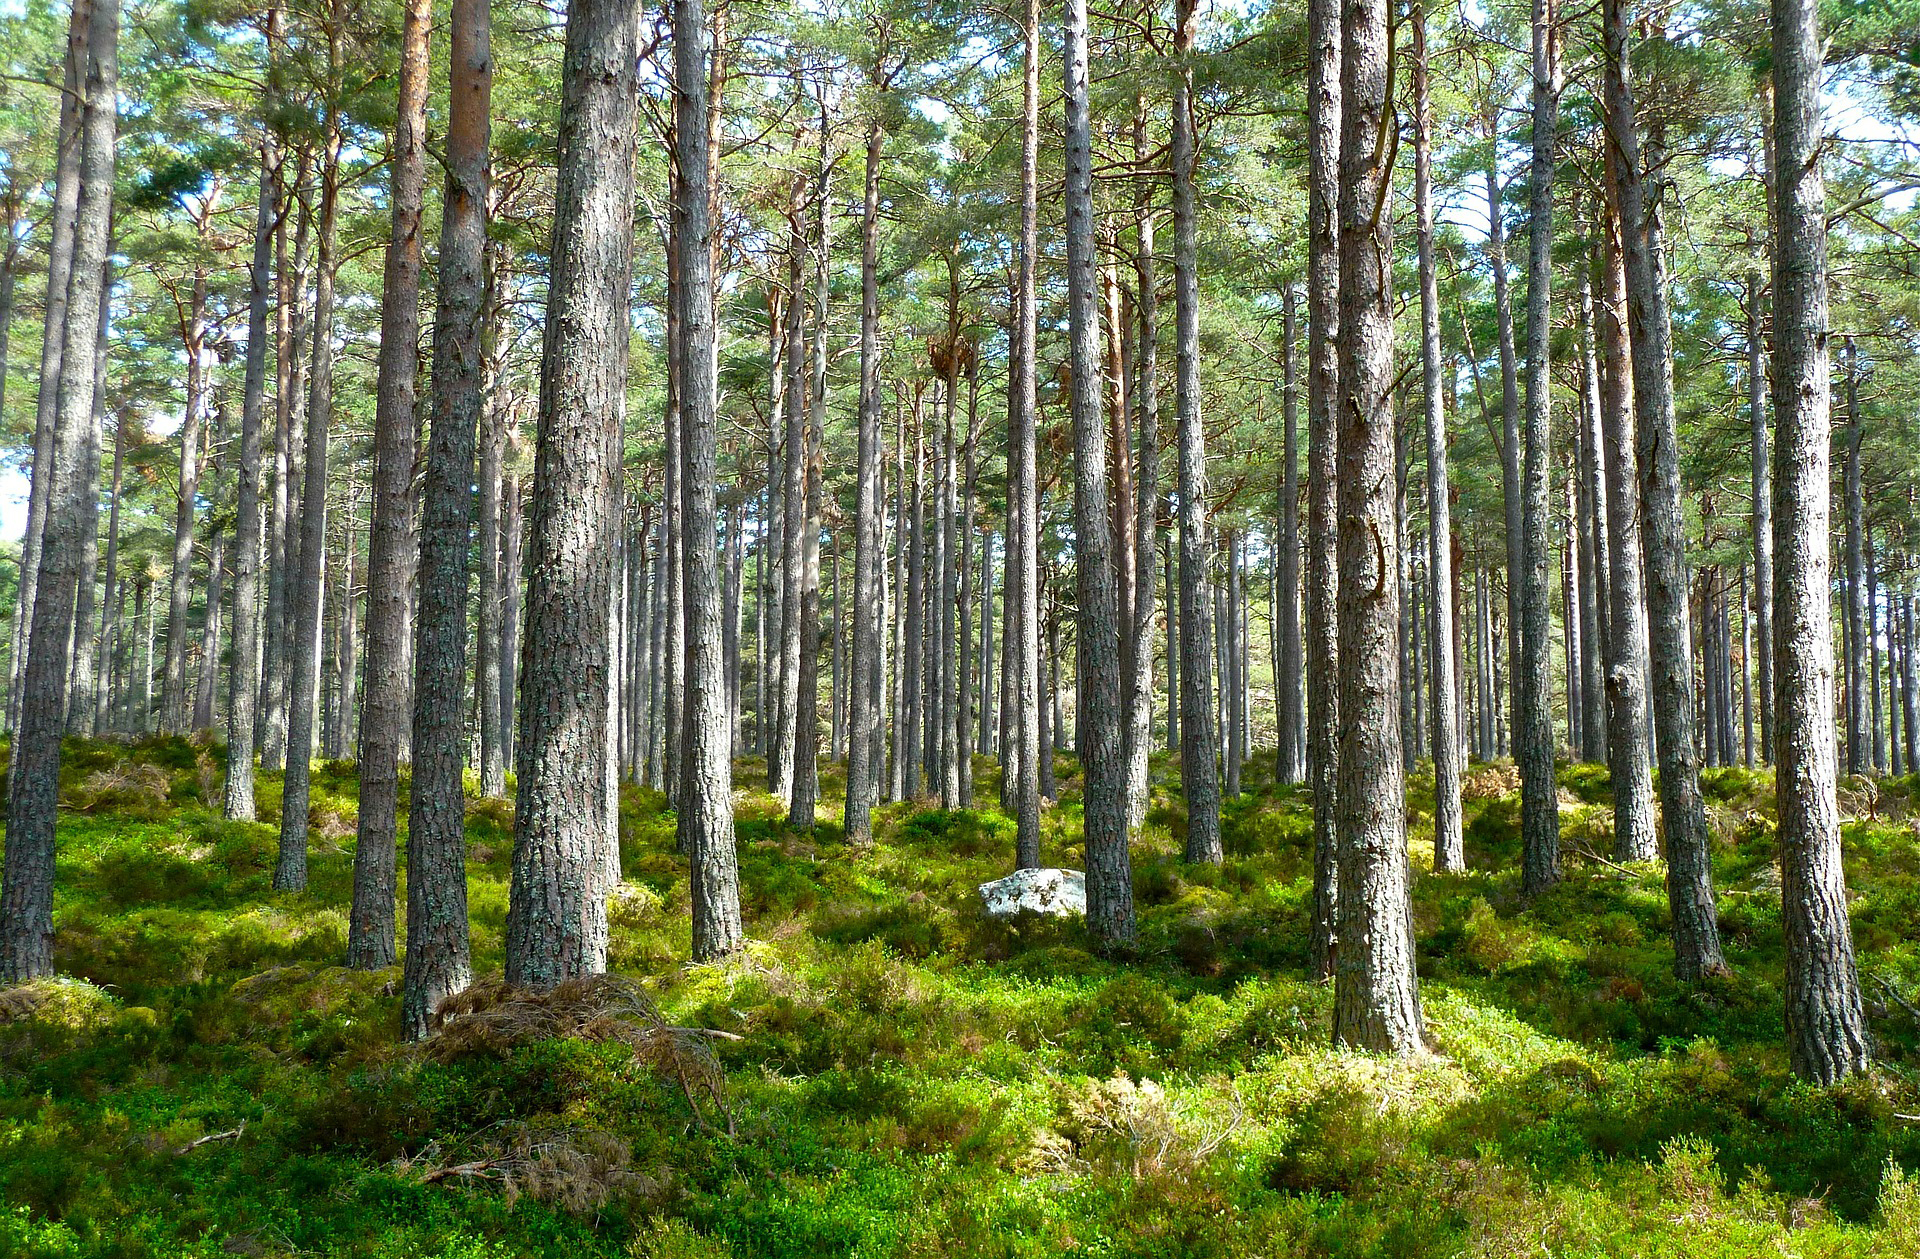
[
  {"x": 1510, "y": 439},
  {"x": 1449, "y": 851},
  {"x": 68, "y": 155},
  {"x": 706, "y": 796},
  {"x": 1629, "y": 755},
  {"x": 487, "y": 662},
  {"x": 303, "y": 674},
  {"x": 556, "y": 917},
  {"x": 82, "y": 683},
  {"x": 1023, "y": 533},
  {"x": 1826, "y": 1036},
  {"x": 1689, "y": 868},
  {"x": 113, "y": 598},
  {"x": 26, "y": 886},
  {"x": 805, "y": 794},
  {"x": 437, "y": 962},
  {"x": 1097, "y": 739},
  {"x": 282, "y": 556},
  {"x": 1290, "y": 758},
  {"x": 204, "y": 687},
  {"x": 1376, "y": 990},
  {"x": 173, "y": 695},
  {"x": 1323, "y": 515},
  {"x": 370, "y": 940},
  {"x": 1762, "y": 513},
  {"x": 781, "y": 761},
  {"x": 1595, "y": 552},
  {"x": 1531, "y": 667},
  {"x": 244, "y": 689},
  {"x": 1856, "y": 581},
  {"x": 1199, "y": 772}
]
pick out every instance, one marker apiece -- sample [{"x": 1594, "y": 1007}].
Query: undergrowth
[{"x": 888, "y": 1072}]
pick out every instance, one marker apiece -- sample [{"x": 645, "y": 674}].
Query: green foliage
[{"x": 911, "y": 1078}]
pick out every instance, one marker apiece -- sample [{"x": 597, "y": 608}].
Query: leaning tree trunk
[
  {"x": 557, "y": 915},
  {"x": 26, "y": 886},
  {"x": 1696, "y": 935},
  {"x": 1023, "y": 570},
  {"x": 706, "y": 794},
  {"x": 1376, "y": 990},
  {"x": 1323, "y": 389},
  {"x": 69, "y": 151},
  {"x": 1109, "y": 872},
  {"x": 1199, "y": 755},
  {"x": 370, "y": 942},
  {"x": 303, "y": 673},
  {"x": 437, "y": 961},
  {"x": 1449, "y": 851},
  {"x": 1532, "y": 668},
  {"x": 1826, "y": 1035}
]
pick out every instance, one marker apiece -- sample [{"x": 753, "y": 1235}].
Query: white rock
[{"x": 1054, "y": 892}]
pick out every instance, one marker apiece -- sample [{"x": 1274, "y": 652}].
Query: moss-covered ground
[{"x": 906, "y": 1077}]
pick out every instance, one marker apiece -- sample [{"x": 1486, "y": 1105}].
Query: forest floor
[{"x": 903, "y": 1076}]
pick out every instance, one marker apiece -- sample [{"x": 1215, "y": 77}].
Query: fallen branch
[
  {"x": 1583, "y": 851},
  {"x": 232, "y": 1134},
  {"x": 479, "y": 1167},
  {"x": 1893, "y": 995}
]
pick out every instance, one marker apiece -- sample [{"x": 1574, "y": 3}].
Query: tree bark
[
  {"x": 1097, "y": 740},
  {"x": 1199, "y": 754},
  {"x": 304, "y": 589},
  {"x": 556, "y": 917},
  {"x": 370, "y": 938},
  {"x": 1826, "y": 1035},
  {"x": 175, "y": 715},
  {"x": 437, "y": 962},
  {"x": 1762, "y": 514},
  {"x": 1696, "y": 936},
  {"x": 26, "y": 884},
  {"x": 805, "y": 793},
  {"x": 244, "y": 690},
  {"x": 1376, "y": 990},
  {"x": 1290, "y": 759},
  {"x": 68, "y": 154},
  {"x": 706, "y": 795},
  {"x": 1532, "y": 665},
  {"x": 1323, "y": 417},
  {"x": 1449, "y": 851}
]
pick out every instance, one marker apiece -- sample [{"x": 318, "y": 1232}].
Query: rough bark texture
[
  {"x": 437, "y": 948},
  {"x": 557, "y": 916},
  {"x": 1532, "y": 666},
  {"x": 60, "y": 246},
  {"x": 1323, "y": 387},
  {"x": 1376, "y": 990},
  {"x": 1762, "y": 514},
  {"x": 244, "y": 691},
  {"x": 370, "y": 938},
  {"x": 303, "y": 673},
  {"x": 706, "y": 794},
  {"x": 1109, "y": 868},
  {"x": 1199, "y": 753},
  {"x": 173, "y": 691},
  {"x": 863, "y": 705},
  {"x": 1696, "y": 936},
  {"x": 26, "y": 886},
  {"x": 1856, "y": 576},
  {"x": 1023, "y": 569},
  {"x": 1826, "y": 1036},
  {"x": 805, "y": 794},
  {"x": 1290, "y": 754},
  {"x": 1629, "y": 753},
  {"x": 1449, "y": 851}
]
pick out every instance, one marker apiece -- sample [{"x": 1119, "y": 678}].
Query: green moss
[{"x": 913, "y": 1078}]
